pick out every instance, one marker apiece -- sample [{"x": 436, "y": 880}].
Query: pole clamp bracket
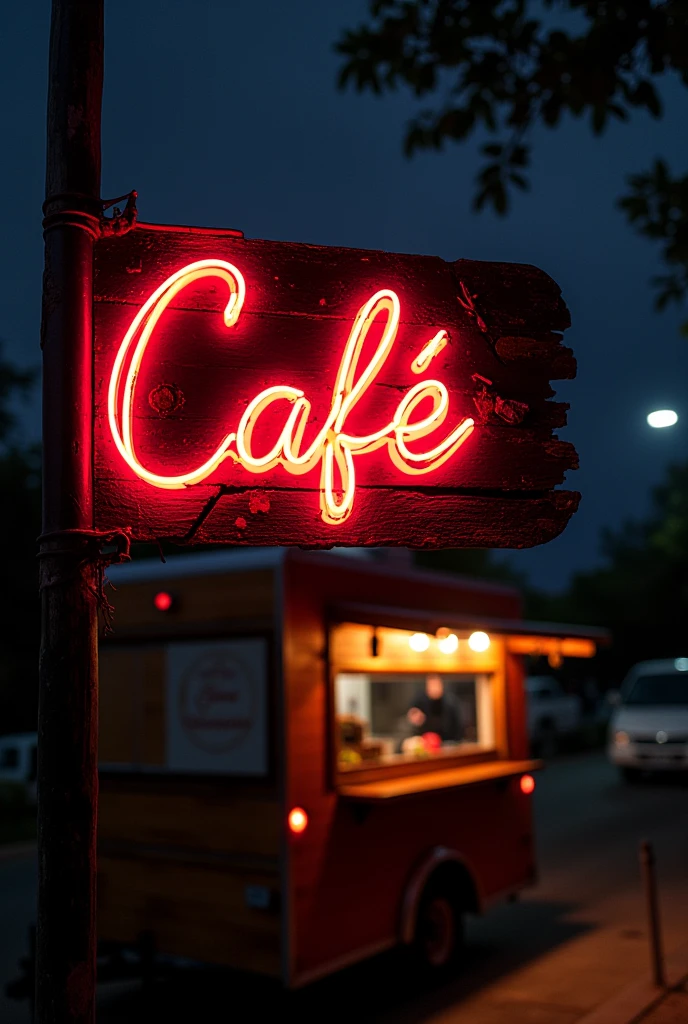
[{"x": 121, "y": 221}]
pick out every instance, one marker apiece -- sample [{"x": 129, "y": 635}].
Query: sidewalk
[
  {"x": 642, "y": 1003},
  {"x": 673, "y": 1009}
]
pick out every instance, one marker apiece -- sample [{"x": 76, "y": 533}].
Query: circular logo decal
[{"x": 216, "y": 702}]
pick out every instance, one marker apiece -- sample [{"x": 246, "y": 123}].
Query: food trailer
[{"x": 310, "y": 758}]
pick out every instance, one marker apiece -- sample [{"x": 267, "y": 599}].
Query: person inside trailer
[{"x": 435, "y": 715}]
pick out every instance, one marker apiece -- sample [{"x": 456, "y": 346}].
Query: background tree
[
  {"x": 478, "y": 563},
  {"x": 20, "y": 518},
  {"x": 499, "y": 66},
  {"x": 641, "y": 590},
  {"x": 639, "y": 593}
]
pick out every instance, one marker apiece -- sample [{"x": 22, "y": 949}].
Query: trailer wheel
[{"x": 439, "y": 931}]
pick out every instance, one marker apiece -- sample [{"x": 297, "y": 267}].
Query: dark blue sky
[{"x": 227, "y": 114}]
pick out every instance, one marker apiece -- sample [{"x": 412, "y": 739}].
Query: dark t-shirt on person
[{"x": 442, "y": 715}]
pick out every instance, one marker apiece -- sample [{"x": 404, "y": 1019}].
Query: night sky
[{"x": 227, "y": 114}]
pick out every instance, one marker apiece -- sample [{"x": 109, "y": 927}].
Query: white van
[
  {"x": 648, "y": 730},
  {"x": 18, "y": 755}
]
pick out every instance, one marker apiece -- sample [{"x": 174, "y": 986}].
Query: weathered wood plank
[
  {"x": 503, "y": 323},
  {"x": 499, "y": 458},
  {"x": 206, "y": 599},
  {"x": 131, "y": 691},
  {"x": 430, "y": 520},
  {"x": 511, "y": 297},
  {"x": 282, "y": 277},
  {"x": 321, "y": 336},
  {"x": 222, "y": 821},
  {"x": 196, "y": 910}
]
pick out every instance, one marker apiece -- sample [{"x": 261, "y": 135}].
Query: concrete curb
[
  {"x": 18, "y": 851},
  {"x": 633, "y": 1003}
]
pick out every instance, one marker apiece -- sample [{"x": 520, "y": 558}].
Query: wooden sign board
[{"x": 255, "y": 392}]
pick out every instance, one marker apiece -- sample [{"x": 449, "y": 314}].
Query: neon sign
[
  {"x": 334, "y": 447},
  {"x": 255, "y": 392}
]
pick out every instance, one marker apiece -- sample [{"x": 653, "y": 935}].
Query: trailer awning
[{"x": 522, "y": 637}]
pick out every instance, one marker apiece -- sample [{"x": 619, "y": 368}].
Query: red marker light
[
  {"x": 163, "y": 601},
  {"x": 527, "y": 784},
  {"x": 298, "y": 820}
]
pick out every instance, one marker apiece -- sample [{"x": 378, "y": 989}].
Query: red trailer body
[{"x": 267, "y": 801}]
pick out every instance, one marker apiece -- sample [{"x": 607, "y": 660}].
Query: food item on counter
[
  {"x": 432, "y": 741},
  {"x": 349, "y": 756}
]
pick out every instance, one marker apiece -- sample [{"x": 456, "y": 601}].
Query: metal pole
[
  {"x": 647, "y": 864},
  {"x": 68, "y": 704}
]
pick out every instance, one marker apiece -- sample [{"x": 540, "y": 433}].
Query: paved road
[
  {"x": 17, "y": 913},
  {"x": 576, "y": 938}
]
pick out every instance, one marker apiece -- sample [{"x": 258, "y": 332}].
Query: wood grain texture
[
  {"x": 227, "y": 818},
  {"x": 176, "y": 855},
  {"x": 206, "y": 604},
  {"x": 194, "y": 909},
  {"x": 131, "y": 720},
  {"x": 504, "y": 323},
  {"x": 431, "y": 520}
]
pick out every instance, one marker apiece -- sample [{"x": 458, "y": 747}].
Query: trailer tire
[{"x": 440, "y": 925}]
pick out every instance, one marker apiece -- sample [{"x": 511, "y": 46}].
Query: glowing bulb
[
  {"x": 163, "y": 601},
  {"x": 527, "y": 784},
  {"x": 419, "y": 642},
  {"x": 681, "y": 664},
  {"x": 448, "y": 644},
  {"x": 298, "y": 820},
  {"x": 662, "y": 418},
  {"x": 479, "y": 642}
]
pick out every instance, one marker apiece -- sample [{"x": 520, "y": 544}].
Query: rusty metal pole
[
  {"x": 647, "y": 866},
  {"x": 68, "y": 704}
]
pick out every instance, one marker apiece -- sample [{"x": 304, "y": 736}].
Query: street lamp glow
[{"x": 662, "y": 418}]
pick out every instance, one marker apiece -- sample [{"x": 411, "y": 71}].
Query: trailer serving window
[
  {"x": 390, "y": 719},
  {"x": 404, "y": 700}
]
